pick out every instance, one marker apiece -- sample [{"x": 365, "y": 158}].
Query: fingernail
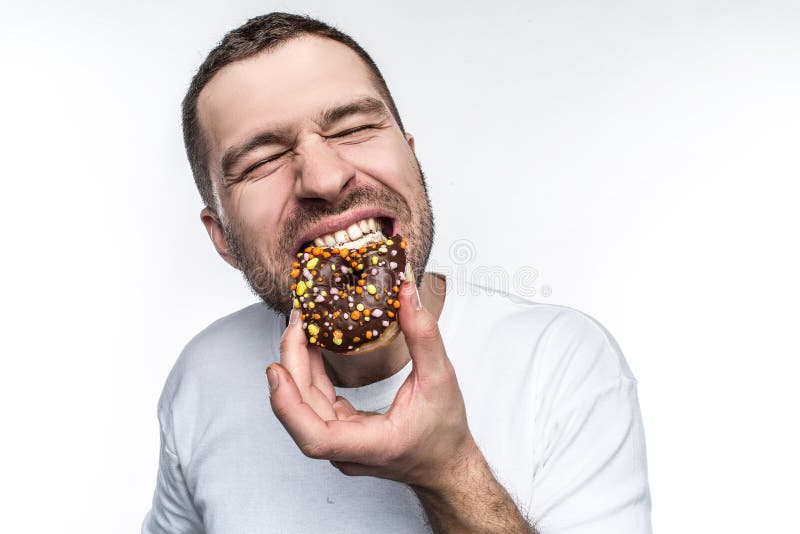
[
  {"x": 413, "y": 281},
  {"x": 410, "y": 273},
  {"x": 272, "y": 378},
  {"x": 294, "y": 316}
]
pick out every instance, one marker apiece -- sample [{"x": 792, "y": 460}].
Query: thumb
[{"x": 420, "y": 330}]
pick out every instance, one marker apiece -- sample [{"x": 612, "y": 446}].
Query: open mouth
[{"x": 355, "y": 235}]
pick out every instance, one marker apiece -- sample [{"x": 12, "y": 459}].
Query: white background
[{"x": 641, "y": 156}]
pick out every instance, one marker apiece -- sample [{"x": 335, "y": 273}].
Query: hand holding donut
[{"x": 419, "y": 441}]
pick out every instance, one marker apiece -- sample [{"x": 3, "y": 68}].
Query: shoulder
[
  {"x": 560, "y": 346},
  {"x": 220, "y": 351},
  {"x": 232, "y": 329}
]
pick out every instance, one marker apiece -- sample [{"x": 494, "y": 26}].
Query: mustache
[{"x": 304, "y": 216}]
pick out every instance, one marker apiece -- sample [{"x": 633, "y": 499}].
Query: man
[{"x": 487, "y": 414}]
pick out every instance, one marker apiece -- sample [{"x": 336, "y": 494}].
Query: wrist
[
  {"x": 464, "y": 497},
  {"x": 455, "y": 474}
]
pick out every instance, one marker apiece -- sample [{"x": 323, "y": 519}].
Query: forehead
[{"x": 280, "y": 87}]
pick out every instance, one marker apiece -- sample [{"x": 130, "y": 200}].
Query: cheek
[
  {"x": 258, "y": 207},
  {"x": 389, "y": 161}
]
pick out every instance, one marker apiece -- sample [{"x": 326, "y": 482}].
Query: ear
[
  {"x": 214, "y": 228},
  {"x": 410, "y": 140}
]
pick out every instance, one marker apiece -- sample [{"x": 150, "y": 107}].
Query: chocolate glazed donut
[{"x": 348, "y": 297}]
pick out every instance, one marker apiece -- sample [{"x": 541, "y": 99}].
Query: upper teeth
[{"x": 354, "y": 236}]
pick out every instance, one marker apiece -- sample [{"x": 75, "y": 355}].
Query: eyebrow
[{"x": 367, "y": 105}]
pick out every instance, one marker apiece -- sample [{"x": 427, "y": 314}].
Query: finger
[
  {"x": 421, "y": 332},
  {"x": 343, "y": 408},
  {"x": 353, "y": 469},
  {"x": 302, "y": 423},
  {"x": 304, "y": 363},
  {"x": 294, "y": 352},
  {"x": 319, "y": 377},
  {"x": 360, "y": 439},
  {"x": 368, "y": 440}
]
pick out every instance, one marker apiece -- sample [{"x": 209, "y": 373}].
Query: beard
[{"x": 267, "y": 273}]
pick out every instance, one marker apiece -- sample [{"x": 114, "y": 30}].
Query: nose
[{"x": 323, "y": 173}]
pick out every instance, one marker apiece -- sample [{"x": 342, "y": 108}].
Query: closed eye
[
  {"x": 351, "y": 131},
  {"x": 258, "y": 164}
]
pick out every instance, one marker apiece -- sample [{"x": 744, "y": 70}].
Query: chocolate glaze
[{"x": 342, "y": 281}]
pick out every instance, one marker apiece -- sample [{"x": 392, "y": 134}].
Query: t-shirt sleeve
[
  {"x": 590, "y": 463},
  {"x": 173, "y": 511}
]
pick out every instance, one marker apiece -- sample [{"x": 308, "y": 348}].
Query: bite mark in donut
[{"x": 348, "y": 298}]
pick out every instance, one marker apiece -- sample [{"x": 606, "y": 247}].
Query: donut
[{"x": 348, "y": 298}]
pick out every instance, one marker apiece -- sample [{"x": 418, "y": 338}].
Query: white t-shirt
[{"x": 549, "y": 398}]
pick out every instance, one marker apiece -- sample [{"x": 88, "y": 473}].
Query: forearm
[{"x": 469, "y": 499}]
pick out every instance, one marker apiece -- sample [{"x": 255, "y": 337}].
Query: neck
[{"x": 362, "y": 369}]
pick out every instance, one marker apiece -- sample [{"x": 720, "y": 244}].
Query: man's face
[{"x": 301, "y": 146}]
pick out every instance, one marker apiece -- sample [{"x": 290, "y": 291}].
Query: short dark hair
[{"x": 256, "y": 35}]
